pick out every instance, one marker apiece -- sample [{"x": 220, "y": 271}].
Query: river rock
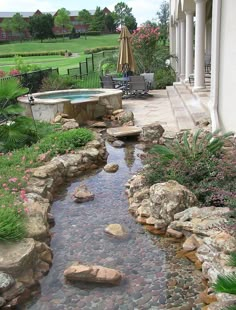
[
  {"x": 70, "y": 125},
  {"x": 169, "y": 198},
  {"x": 118, "y": 143},
  {"x": 96, "y": 274},
  {"x": 111, "y": 167},
  {"x": 125, "y": 117},
  {"x": 2, "y": 301},
  {"x": 174, "y": 233},
  {"x": 152, "y": 132},
  {"x": 82, "y": 194},
  {"x": 116, "y": 230},
  {"x": 6, "y": 281}
]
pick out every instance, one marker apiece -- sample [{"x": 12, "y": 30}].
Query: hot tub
[{"x": 80, "y": 104}]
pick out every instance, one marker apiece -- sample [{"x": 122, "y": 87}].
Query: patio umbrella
[{"x": 126, "y": 58}]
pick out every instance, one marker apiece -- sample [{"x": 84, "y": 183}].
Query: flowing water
[{"x": 154, "y": 278}]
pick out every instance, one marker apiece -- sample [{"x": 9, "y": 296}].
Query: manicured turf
[{"x": 63, "y": 63}]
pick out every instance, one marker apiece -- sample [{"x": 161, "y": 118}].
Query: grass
[{"x": 61, "y": 62}]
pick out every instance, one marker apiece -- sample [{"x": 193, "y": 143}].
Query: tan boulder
[
  {"x": 111, "y": 167},
  {"x": 116, "y": 230},
  {"x": 82, "y": 194},
  {"x": 96, "y": 274},
  {"x": 70, "y": 125},
  {"x": 174, "y": 233}
]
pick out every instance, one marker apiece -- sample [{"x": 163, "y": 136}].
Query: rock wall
[{"x": 172, "y": 209}]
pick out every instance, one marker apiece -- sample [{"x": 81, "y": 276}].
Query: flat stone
[
  {"x": 116, "y": 230},
  {"x": 124, "y": 131},
  {"x": 6, "y": 281},
  {"x": 174, "y": 233},
  {"x": 99, "y": 125},
  {"x": 96, "y": 274},
  {"x": 15, "y": 257}
]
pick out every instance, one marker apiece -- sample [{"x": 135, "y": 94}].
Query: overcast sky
[{"x": 142, "y": 10}]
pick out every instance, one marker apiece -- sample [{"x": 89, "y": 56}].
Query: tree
[
  {"x": 85, "y": 18},
  {"x": 110, "y": 22},
  {"x": 121, "y": 10},
  {"x": 62, "y": 20},
  {"x": 98, "y": 20},
  {"x": 163, "y": 17},
  {"x": 130, "y": 22},
  {"x": 41, "y": 26},
  {"x": 7, "y": 25},
  {"x": 19, "y": 24},
  {"x": 150, "y": 23}
]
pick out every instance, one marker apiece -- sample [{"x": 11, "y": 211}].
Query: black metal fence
[{"x": 33, "y": 80}]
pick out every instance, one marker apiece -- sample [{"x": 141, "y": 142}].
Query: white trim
[{"x": 215, "y": 64}]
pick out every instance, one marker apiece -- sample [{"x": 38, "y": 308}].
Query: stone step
[
  {"x": 183, "y": 118},
  {"x": 124, "y": 131},
  {"x": 192, "y": 103}
]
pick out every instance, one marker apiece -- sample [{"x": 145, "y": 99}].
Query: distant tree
[
  {"x": 41, "y": 26},
  {"x": 110, "y": 22},
  {"x": 19, "y": 24},
  {"x": 85, "y": 18},
  {"x": 130, "y": 22},
  {"x": 163, "y": 18},
  {"x": 98, "y": 20},
  {"x": 121, "y": 10},
  {"x": 7, "y": 25},
  {"x": 62, "y": 19},
  {"x": 150, "y": 23}
]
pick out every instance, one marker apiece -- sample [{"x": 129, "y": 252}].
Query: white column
[
  {"x": 183, "y": 47},
  {"x": 199, "y": 76},
  {"x": 189, "y": 45},
  {"x": 208, "y": 38},
  {"x": 178, "y": 48},
  {"x": 173, "y": 45}
]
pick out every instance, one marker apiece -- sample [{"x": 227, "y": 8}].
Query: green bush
[
  {"x": 100, "y": 49},
  {"x": 62, "y": 142},
  {"x": 56, "y": 82},
  {"x": 12, "y": 226},
  {"x": 164, "y": 77},
  {"x": 28, "y": 54},
  {"x": 91, "y": 33}
]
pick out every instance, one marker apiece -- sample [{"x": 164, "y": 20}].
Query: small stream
[{"x": 154, "y": 278}]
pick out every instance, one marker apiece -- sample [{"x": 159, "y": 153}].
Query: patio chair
[
  {"x": 107, "y": 81},
  {"x": 138, "y": 85}
]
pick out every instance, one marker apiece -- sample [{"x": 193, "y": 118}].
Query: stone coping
[{"x": 95, "y": 97}]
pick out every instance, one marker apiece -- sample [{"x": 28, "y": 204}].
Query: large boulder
[
  {"x": 169, "y": 198},
  {"x": 96, "y": 274},
  {"x": 152, "y": 132}
]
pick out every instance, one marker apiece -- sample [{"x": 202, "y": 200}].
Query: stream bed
[{"x": 154, "y": 277}]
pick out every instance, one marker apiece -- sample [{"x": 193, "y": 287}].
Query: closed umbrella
[{"x": 126, "y": 58}]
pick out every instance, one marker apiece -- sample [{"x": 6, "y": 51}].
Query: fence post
[
  {"x": 80, "y": 71},
  {"x": 92, "y": 63},
  {"x": 87, "y": 66}
]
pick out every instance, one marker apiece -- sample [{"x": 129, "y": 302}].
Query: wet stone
[{"x": 6, "y": 281}]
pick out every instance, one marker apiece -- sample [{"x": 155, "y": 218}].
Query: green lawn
[
  {"x": 56, "y": 61},
  {"x": 75, "y": 45}
]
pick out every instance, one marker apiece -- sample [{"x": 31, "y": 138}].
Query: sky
[{"x": 141, "y": 9}]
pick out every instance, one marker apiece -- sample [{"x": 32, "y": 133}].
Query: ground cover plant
[
  {"x": 15, "y": 171},
  {"x": 199, "y": 162}
]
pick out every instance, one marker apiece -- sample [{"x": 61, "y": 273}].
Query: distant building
[{"x": 11, "y": 36}]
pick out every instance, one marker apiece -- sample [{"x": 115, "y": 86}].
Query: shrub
[
  {"x": 100, "y": 49},
  {"x": 55, "y": 82},
  {"x": 12, "y": 226},
  {"x": 2, "y": 73},
  {"x": 164, "y": 77},
  {"x": 63, "y": 142},
  {"x": 195, "y": 162},
  {"x": 28, "y": 54}
]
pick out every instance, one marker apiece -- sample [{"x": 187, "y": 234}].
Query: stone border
[{"x": 28, "y": 260}]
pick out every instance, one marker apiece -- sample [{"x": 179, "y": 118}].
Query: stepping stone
[{"x": 124, "y": 131}]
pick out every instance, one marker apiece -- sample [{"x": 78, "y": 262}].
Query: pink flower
[
  {"x": 23, "y": 195},
  {"x": 12, "y": 180}
]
